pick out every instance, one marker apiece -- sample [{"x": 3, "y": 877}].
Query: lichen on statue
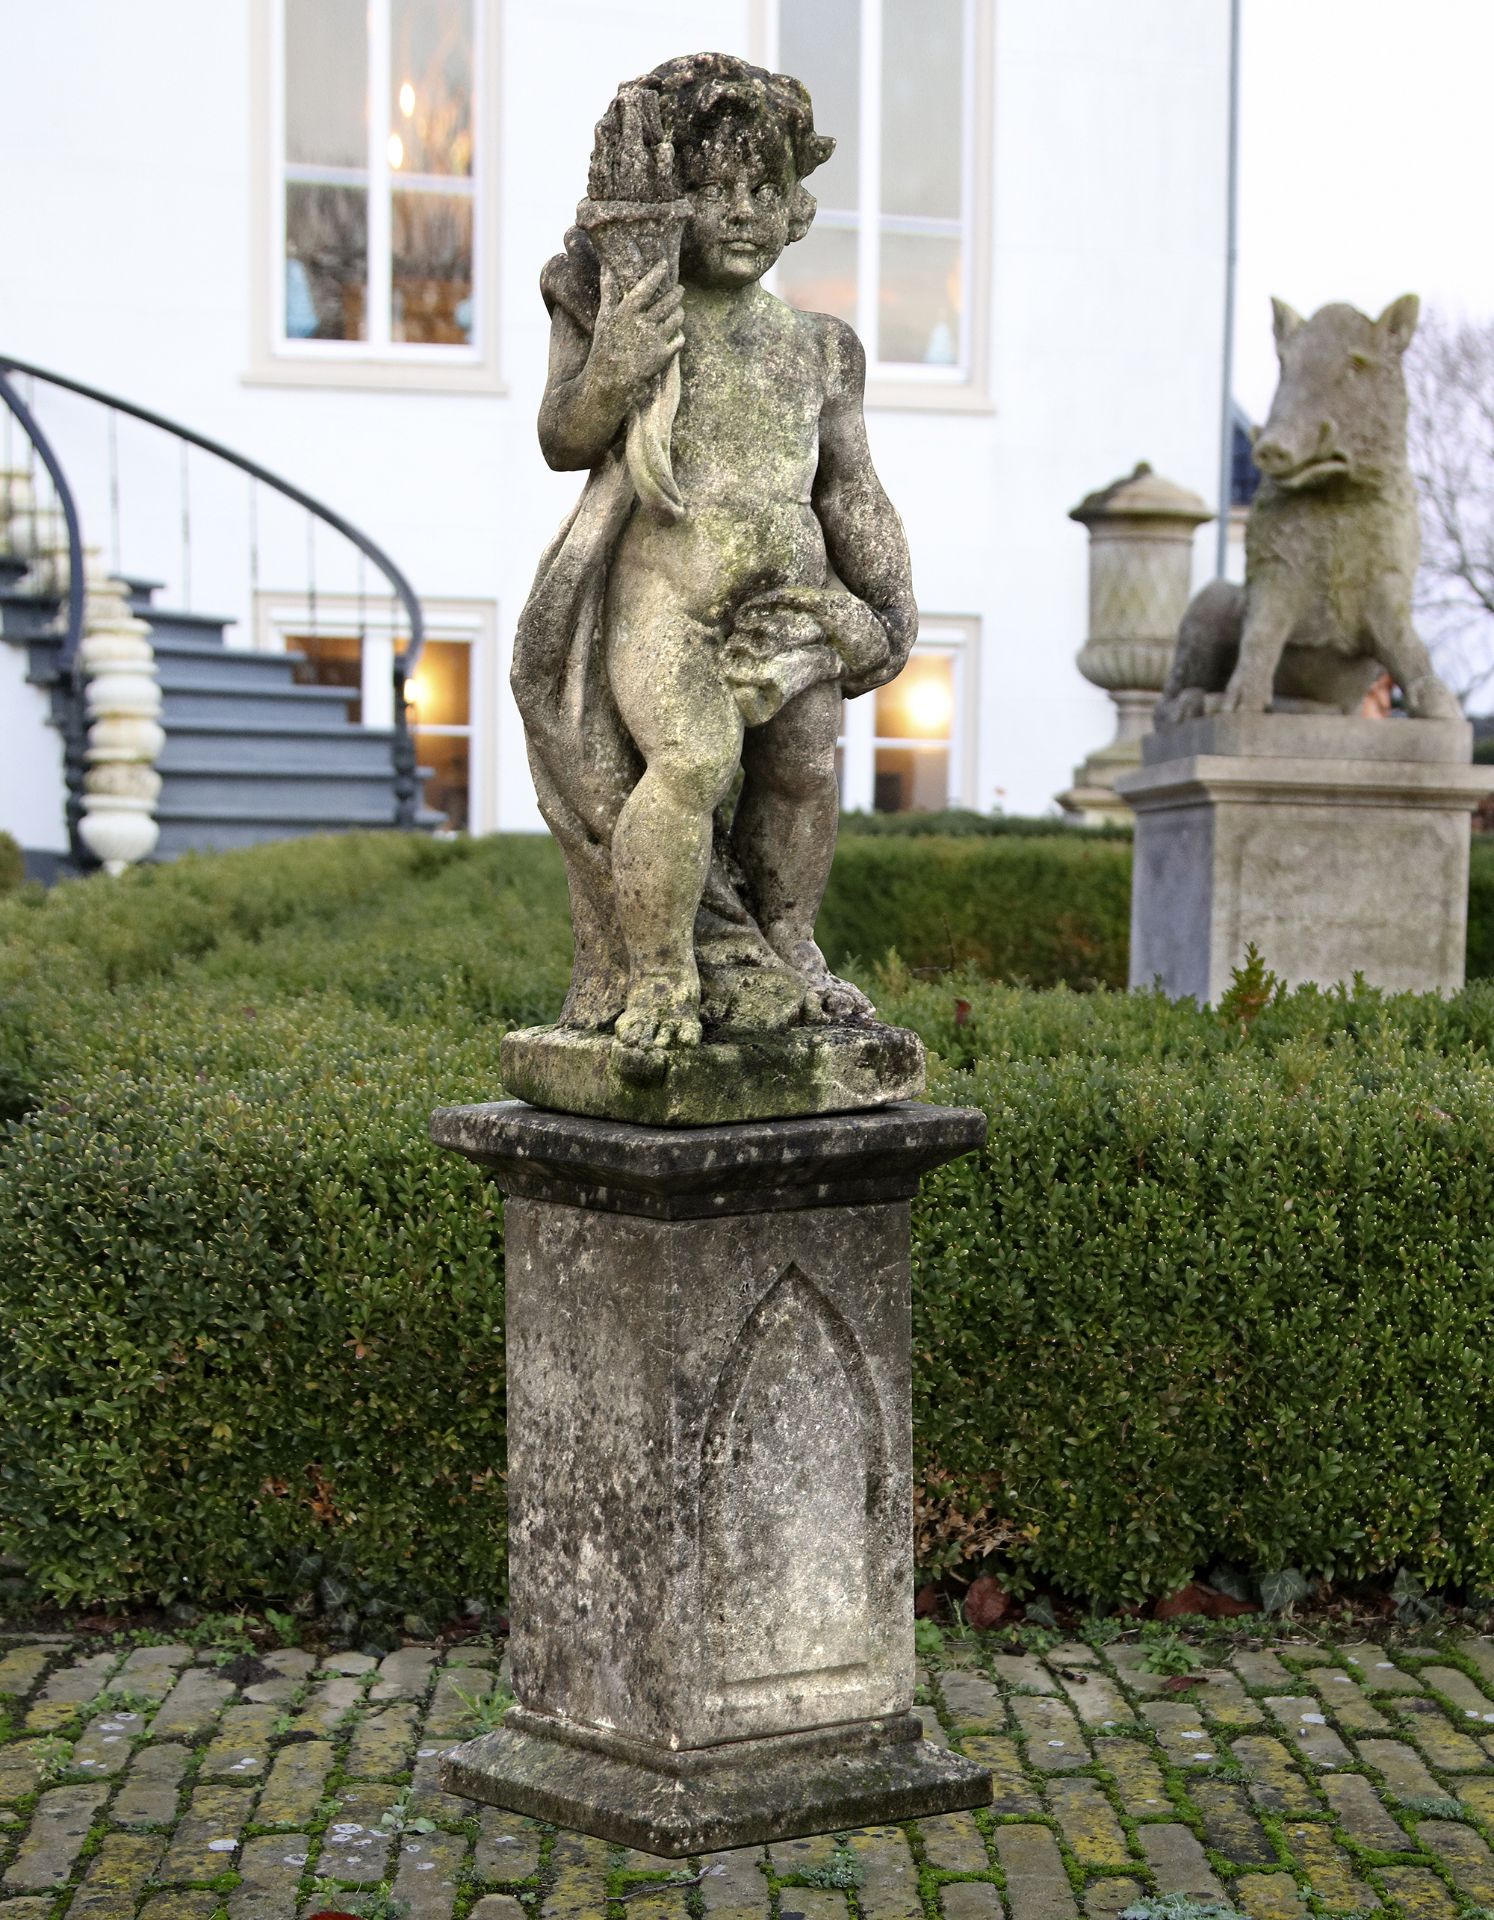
[{"x": 733, "y": 571}]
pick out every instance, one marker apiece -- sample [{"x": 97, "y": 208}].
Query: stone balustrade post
[
  {"x": 125, "y": 738},
  {"x": 1140, "y": 576}
]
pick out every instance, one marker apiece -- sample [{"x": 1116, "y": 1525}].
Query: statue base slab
[
  {"x": 1336, "y": 845},
  {"x": 731, "y": 1077},
  {"x": 710, "y": 1475},
  {"x": 739, "y": 1795}
]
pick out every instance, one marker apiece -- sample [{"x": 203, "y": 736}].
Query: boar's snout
[{"x": 1282, "y": 454}]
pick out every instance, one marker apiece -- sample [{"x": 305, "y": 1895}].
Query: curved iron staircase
[{"x": 252, "y": 753}]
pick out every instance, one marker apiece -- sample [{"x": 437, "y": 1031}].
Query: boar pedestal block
[
  {"x": 1337, "y": 845},
  {"x": 710, "y": 1476}
]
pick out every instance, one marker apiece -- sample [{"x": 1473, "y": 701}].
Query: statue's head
[
  {"x": 743, "y": 141},
  {"x": 1340, "y": 411}
]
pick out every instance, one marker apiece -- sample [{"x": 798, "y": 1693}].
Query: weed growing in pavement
[
  {"x": 1168, "y": 1652},
  {"x": 485, "y": 1711}
]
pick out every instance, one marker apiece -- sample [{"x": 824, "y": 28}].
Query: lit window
[
  {"x": 376, "y": 229},
  {"x": 904, "y": 748},
  {"x": 891, "y": 249}
]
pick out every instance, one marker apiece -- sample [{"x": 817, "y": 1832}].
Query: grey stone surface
[
  {"x": 1332, "y": 540},
  {"x": 732, "y": 571},
  {"x": 710, "y": 1479},
  {"x": 1280, "y": 829}
]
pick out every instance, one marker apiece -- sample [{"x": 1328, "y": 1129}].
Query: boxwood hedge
[{"x": 1217, "y": 1288}]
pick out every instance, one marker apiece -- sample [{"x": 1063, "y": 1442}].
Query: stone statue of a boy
[{"x": 732, "y": 570}]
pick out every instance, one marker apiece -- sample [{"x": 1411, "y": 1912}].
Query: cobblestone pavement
[{"x": 155, "y": 1782}]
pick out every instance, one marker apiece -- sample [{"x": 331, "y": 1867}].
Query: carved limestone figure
[
  {"x": 732, "y": 571},
  {"x": 1332, "y": 541}
]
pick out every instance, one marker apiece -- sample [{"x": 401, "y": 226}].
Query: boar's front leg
[
  {"x": 1391, "y": 639},
  {"x": 1268, "y": 626}
]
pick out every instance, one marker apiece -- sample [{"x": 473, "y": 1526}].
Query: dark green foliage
[
  {"x": 12, "y": 864},
  {"x": 1042, "y": 910},
  {"x": 1217, "y": 1290},
  {"x": 1481, "y": 907},
  {"x": 959, "y": 823}
]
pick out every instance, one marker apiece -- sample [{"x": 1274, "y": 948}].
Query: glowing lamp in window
[{"x": 919, "y": 704}]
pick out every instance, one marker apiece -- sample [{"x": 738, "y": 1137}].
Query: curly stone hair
[{"x": 711, "y": 104}]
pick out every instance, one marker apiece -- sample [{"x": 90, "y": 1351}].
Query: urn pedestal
[
  {"x": 1336, "y": 845},
  {"x": 710, "y": 1475}
]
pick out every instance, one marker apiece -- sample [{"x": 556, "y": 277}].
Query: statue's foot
[
  {"x": 1429, "y": 699},
  {"x": 1242, "y": 697},
  {"x": 828, "y": 997},
  {"x": 661, "y": 1012}
]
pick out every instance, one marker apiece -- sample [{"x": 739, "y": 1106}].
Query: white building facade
[{"x": 313, "y": 230}]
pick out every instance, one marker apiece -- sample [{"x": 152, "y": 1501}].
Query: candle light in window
[
  {"x": 416, "y": 691},
  {"x": 396, "y": 151},
  {"x": 929, "y": 702},
  {"x": 407, "y": 99}
]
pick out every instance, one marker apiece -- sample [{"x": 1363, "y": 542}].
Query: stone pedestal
[
  {"x": 1337, "y": 845},
  {"x": 710, "y": 1476}
]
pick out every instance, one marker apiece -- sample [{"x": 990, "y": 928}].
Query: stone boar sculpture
[{"x": 1332, "y": 542}]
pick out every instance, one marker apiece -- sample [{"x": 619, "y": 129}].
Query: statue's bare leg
[
  {"x": 667, "y": 682},
  {"x": 784, "y": 837},
  {"x": 1398, "y": 647}
]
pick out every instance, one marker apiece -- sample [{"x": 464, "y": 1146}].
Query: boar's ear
[
  {"x": 1285, "y": 321},
  {"x": 1398, "y": 322}
]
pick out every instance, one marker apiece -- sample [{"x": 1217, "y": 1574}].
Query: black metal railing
[{"x": 406, "y": 655}]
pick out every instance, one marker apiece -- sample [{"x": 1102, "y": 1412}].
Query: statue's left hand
[{"x": 849, "y": 624}]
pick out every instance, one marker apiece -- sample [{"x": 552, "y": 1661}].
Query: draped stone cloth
[{"x": 584, "y": 762}]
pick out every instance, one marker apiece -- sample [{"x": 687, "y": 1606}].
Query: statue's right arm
[{"x": 595, "y": 381}]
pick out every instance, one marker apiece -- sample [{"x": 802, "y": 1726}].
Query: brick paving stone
[
  {"x": 297, "y": 1780},
  {"x": 972, "y": 1702},
  {"x": 53, "y": 1841},
  {"x": 1138, "y": 1778},
  {"x": 348, "y": 1663},
  {"x": 208, "y": 1833},
  {"x": 578, "y": 1889},
  {"x": 1185, "y": 1739},
  {"x": 1055, "y": 1743},
  {"x": 1270, "y": 1896},
  {"x": 1358, "y": 1810},
  {"x": 508, "y": 1845},
  {"x": 1472, "y": 1703},
  {"x": 293, "y": 1662},
  {"x": 804, "y": 1855},
  {"x": 149, "y": 1795},
  {"x": 23, "y": 1766},
  {"x": 1404, "y": 1773},
  {"x": 1445, "y": 1746},
  {"x": 1380, "y": 1673},
  {"x": 1418, "y": 1893},
  {"x": 734, "y": 1887},
  {"x": 1305, "y": 1722},
  {"x": 22, "y": 1667},
  {"x": 1261, "y": 1671},
  {"x": 450, "y": 1716},
  {"x": 382, "y": 1743},
  {"x": 1097, "y": 1700},
  {"x": 427, "y": 1800},
  {"x": 932, "y": 1731},
  {"x": 1465, "y": 1856},
  {"x": 1072, "y": 1653},
  {"x": 179, "y": 1904},
  {"x": 191, "y": 1707},
  {"x": 1009, "y": 1788},
  {"x": 68, "y": 1689},
  {"x": 1478, "y": 1797},
  {"x": 1089, "y": 1824},
  {"x": 116, "y": 1876},
  {"x": 240, "y": 1749},
  {"x": 1344, "y": 1698},
  {"x": 1037, "y": 1888},
  {"x": 815, "y": 1903},
  {"x": 404, "y": 1675},
  {"x": 1105, "y": 1899},
  {"x": 970, "y": 1900},
  {"x": 1328, "y": 1869},
  {"x": 1276, "y": 1782},
  {"x": 1127, "y": 1662},
  {"x": 151, "y": 1671},
  {"x": 1023, "y": 1670},
  {"x": 954, "y": 1843},
  {"x": 1223, "y": 1700},
  {"x": 328, "y": 1703},
  {"x": 890, "y": 1890},
  {"x": 1230, "y": 1824},
  {"x": 429, "y": 1864},
  {"x": 269, "y": 1875},
  {"x": 28, "y": 1910},
  {"x": 355, "y": 1847},
  {"x": 103, "y": 1747},
  {"x": 1177, "y": 1860},
  {"x": 1480, "y": 1650},
  {"x": 500, "y": 1906},
  {"x": 278, "y": 1691}
]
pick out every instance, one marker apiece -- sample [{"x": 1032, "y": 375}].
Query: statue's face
[{"x": 739, "y": 221}]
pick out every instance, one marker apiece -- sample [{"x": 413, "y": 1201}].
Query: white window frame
[
  {"x": 275, "y": 358},
  {"x": 956, "y": 637},
  {"x": 964, "y": 387},
  {"x": 279, "y": 618}
]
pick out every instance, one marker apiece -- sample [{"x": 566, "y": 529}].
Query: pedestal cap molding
[{"x": 1271, "y": 780}]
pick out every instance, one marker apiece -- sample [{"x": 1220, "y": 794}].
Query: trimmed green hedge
[{"x": 1215, "y": 1288}]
